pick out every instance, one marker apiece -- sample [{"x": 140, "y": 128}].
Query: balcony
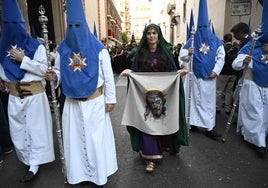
[{"x": 171, "y": 7}]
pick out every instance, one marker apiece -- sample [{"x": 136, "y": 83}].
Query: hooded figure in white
[
  {"x": 253, "y": 106},
  {"x": 207, "y": 60},
  {"x": 88, "y": 84},
  {"x": 23, "y": 61}
]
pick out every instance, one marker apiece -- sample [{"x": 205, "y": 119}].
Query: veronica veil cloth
[{"x": 135, "y": 109}]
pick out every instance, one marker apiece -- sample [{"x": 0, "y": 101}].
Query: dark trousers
[{"x": 5, "y": 140}]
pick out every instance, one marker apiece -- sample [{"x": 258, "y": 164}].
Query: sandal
[{"x": 150, "y": 167}]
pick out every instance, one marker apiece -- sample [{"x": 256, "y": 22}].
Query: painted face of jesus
[{"x": 155, "y": 102}]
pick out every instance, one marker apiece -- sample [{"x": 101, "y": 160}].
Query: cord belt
[
  {"x": 96, "y": 94},
  {"x": 24, "y": 89}
]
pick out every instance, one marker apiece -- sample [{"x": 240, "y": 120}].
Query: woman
[{"x": 154, "y": 54}]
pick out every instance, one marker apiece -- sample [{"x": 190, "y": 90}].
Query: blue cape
[
  {"x": 14, "y": 33},
  {"x": 203, "y": 63},
  {"x": 79, "y": 53},
  {"x": 260, "y": 67}
]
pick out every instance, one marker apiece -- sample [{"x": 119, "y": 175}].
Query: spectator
[{"x": 226, "y": 79}]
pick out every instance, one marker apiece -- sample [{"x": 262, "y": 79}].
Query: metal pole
[
  {"x": 190, "y": 78},
  {"x": 43, "y": 20}
]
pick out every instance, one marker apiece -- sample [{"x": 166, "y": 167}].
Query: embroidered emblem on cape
[
  {"x": 204, "y": 49},
  {"x": 77, "y": 62},
  {"x": 264, "y": 58}
]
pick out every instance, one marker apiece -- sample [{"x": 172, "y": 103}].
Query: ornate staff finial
[
  {"x": 42, "y": 18},
  {"x": 256, "y": 33}
]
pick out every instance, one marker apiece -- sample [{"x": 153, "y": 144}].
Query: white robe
[
  {"x": 30, "y": 118},
  {"x": 203, "y": 93},
  {"x": 89, "y": 146},
  {"x": 253, "y": 108}
]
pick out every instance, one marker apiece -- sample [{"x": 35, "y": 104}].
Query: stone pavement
[{"x": 205, "y": 163}]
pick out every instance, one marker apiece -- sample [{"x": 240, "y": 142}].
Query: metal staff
[
  {"x": 43, "y": 20},
  {"x": 239, "y": 86},
  {"x": 190, "y": 78}
]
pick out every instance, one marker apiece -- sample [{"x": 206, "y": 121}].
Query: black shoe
[
  {"x": 29, "y": 176},
  {"x": 227, "y": 112},
  {"x": 8, "y": 151},
  {"x": 193, "y": 129},
  {"x": 213, "y": 134},
  {"x": 261, "y": 152}
]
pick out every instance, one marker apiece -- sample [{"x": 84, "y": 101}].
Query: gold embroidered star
[
  {"x": 77, "y": 62},
  {"x": 204, "y": 49}
]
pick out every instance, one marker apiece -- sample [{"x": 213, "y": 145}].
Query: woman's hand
[
  {"x": 182, "y": 72},
  {"x": 126, "y": 72}
]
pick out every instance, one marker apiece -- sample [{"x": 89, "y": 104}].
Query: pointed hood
[
  {"x": 203, "y": 26},
  {"x": 260, "y": 65},
  {"x": 191, "y": 24},
  {"x": 12, "y": 13},
  {"x": 79, "y": 53},
  {"x": 203, "y": 20},
  {"x": 212, "y": 28},
  {"x": 14, "y": 33},
  {"x": 205, "y": 44},
  {"x": 75, "y": 12},
  {"x": 95, "y": 31},
  {"x": 263, "y": 38}
]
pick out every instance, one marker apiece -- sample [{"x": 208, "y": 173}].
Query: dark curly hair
[{"x": 145, "y": 59}]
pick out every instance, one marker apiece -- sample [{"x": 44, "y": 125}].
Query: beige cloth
[
  {"x": 134, "y": 112},
  {"x": 24, "y": 89}
]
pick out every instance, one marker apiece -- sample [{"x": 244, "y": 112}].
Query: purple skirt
[{"x": 151, "y": 147}]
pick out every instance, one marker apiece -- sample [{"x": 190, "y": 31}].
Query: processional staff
[
  {"x": 190, "y": 80},
  {"x": 43, "y": 20},
  {"x": 239, "y": 86}
]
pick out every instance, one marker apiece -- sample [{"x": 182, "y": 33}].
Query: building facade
[
  {"x": 173, "y": 16},
  {"x": 112, "y": 17},
  {"x": 101, "y": 13}
]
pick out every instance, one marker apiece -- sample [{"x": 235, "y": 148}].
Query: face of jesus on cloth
[{"x": 155, "y": 103}]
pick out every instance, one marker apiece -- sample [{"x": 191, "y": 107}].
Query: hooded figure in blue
[
  {"x": 88, "y": 83},
  {"x": 253, "y": 107},
  {"x": 259, "y": 58},
  {"x": 206, "y": 44},
  {"x": 23, "y": 65},
  {"x": 207, "y": 57},
  {"x": 79, "y": 55},
  {"x": 14, "y": 35}
]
